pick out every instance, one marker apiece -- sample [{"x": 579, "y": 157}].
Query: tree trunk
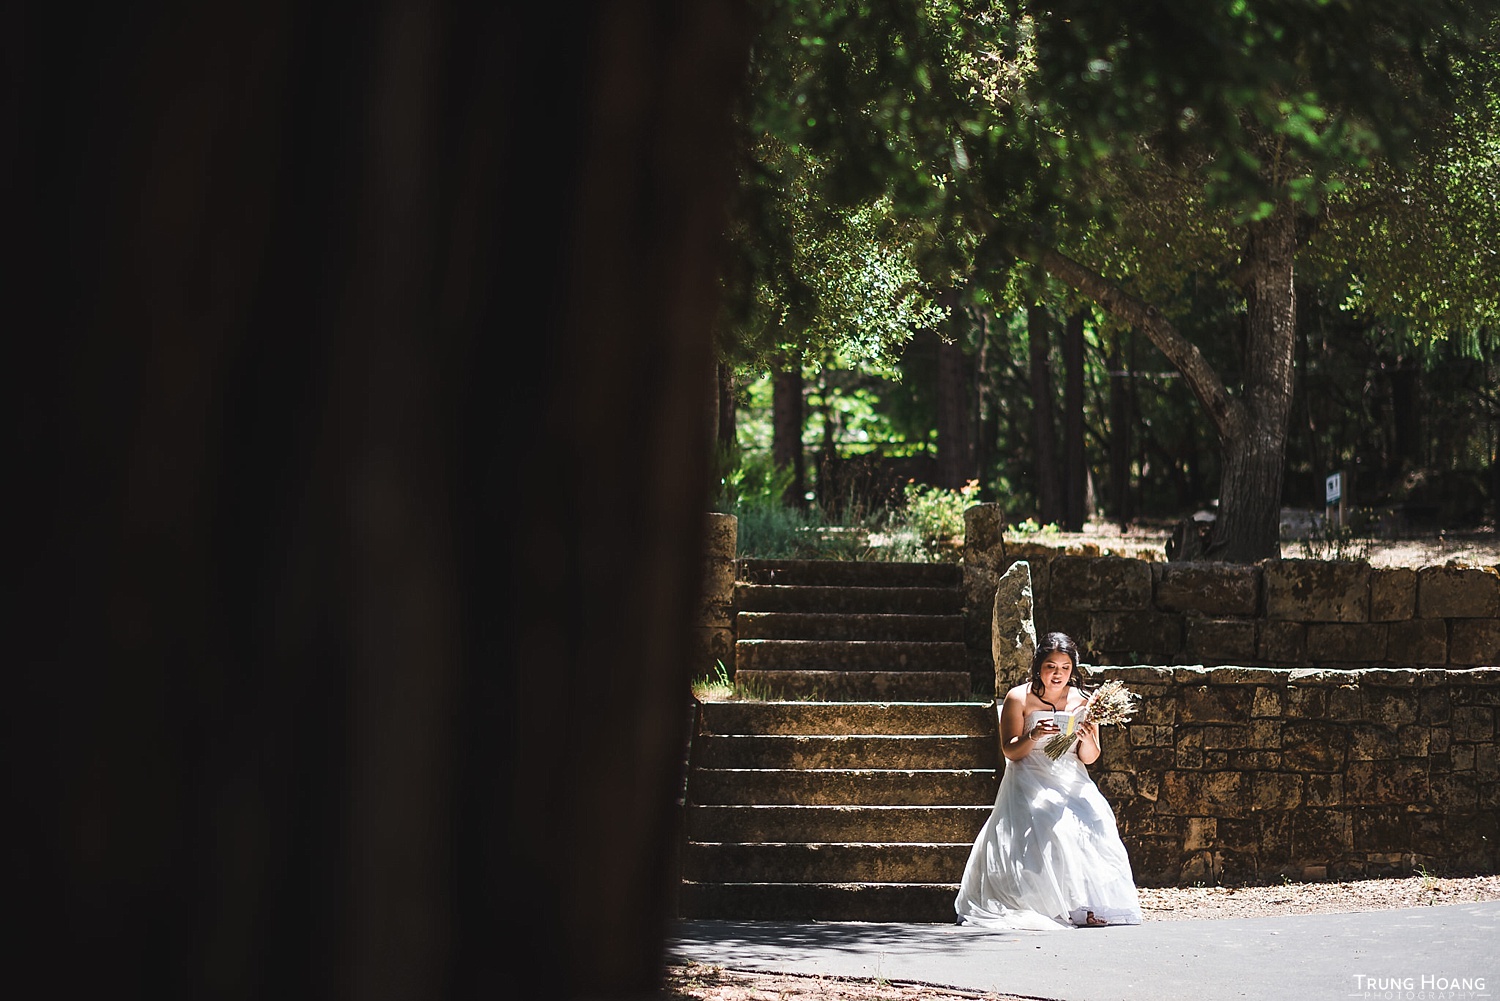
[
  {"x": 955, "y": 425},
  {"x": 788, "y": 416},
  {"x": 1049, "y": 485},
  {"x": 1406, "y": 418},
  {"x": 1248, "y": 525},
  {"x": 727, "y": 424},
  {"x": 1495, "y": 489},
  {"x": 1075, "y": 467},
  {"x": 1252, "y": 429},
  {"x": 1120, "y": 423},
  {"x": 986, "y": 424},
  {"x": 835, "y": 488}
]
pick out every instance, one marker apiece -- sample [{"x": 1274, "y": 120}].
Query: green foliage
[
  {"x": 1029, "y": 527},
  {"x": 894, "y": 147},
  {"x": 1281, "y": 95},
  {"x": 927, "y": 525},
  {"x": 811, "y": 277},
  {"x": 923, "y": 528},
  {"x": 769, "y": 529},
  {"x": 749, "y": 480},
  {"x": 1335, "y": 542},
  {"x": 936, "y": 514},
  {"x": 754, "y": 490}
]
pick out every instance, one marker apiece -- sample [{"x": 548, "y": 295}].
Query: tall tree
[
  {"x": 1121, "y": 419},
  {"x": 955, "y": 417},
  {"x": 788, "y": 420},
  {"x": 1051, "y": 481},
  {"x": 726, "y": 393},
  {"x": 1018, "y": 126},
  {"x": 1075, "y": 465}
]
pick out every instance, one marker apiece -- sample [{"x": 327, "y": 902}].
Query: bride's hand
[{"x": 1044, "y": 728}]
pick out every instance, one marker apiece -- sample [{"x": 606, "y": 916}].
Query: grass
[
  {"x": 718, "y": 686},
  {"x": 1429, "y": 883}
]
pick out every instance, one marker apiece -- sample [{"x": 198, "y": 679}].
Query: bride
[{"x": 1049, "y": 855}]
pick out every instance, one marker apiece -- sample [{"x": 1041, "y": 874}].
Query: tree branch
[{"x": 1228, "y": 415}]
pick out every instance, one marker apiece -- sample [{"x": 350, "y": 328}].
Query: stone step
[
  {"x": 857, "y": 793},
  {"x": 881, "y": 824},
  {"x": 909, "y": 751},
  {"x": 848, "y": 600},
  {"x": 825, "y": 863},
  {"x": 975, "y": 719},
  {"x": 850, "y": 573},
  {"x": 844, "y": 786},
  {"x": 834, "y": 626},
  {"x": 876, "y": 902},
  {"x": 862, "y": 686},
  {"x": 848, "y": 655}
]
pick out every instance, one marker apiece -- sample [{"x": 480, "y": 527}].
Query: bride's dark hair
[{"x": 1050, "y": 644}]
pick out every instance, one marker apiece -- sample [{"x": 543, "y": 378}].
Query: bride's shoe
[{"x": 1084, "y": 918}]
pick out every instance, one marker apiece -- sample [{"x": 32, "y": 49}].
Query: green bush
[
  {"x": 927, "y": 524},
  {"x": 770, "y": 530},
  {"x": 1030, "y": 527},
  {"x": 922, "y": 529},
  {"x": 936, "y": 514},
  {"x": 749, "y": 479}
]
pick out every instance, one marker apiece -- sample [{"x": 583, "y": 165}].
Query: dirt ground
[
  {"x": 697, "y": 982},
  {"x": 1475, "y": 547}
]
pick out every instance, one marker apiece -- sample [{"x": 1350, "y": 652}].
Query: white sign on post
[{"x": 1335, "y": 485}]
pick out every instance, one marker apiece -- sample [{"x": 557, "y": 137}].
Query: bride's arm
[
  {"x": 1015, "y": 741},
  {"x": 1088, "y": 743}
]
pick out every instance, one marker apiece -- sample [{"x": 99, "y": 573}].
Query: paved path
[{"x": 1417, "y": 954}]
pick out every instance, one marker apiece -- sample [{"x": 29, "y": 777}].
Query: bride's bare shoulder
[{"x": 1018, "y": 694}]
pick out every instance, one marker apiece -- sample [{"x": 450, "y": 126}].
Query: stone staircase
[
  {"x": 838, "y": 630},
  {"x": 857, "y": 795}
]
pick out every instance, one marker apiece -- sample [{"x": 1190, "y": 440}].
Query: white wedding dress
[{"x": 1049, "y": 853}]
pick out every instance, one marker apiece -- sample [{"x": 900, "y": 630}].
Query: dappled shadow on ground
[{"x": 796, "y": 940}]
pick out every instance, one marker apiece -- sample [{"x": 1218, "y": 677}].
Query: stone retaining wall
[
  {"x": 1277, "y": 613},
  {"x": 715, "y": 639},
  {"x": 1235, "y": 774}
]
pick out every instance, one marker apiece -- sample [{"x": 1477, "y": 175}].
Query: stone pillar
[
  {"x": 983, "y": 561},
  {"x": 716, "y": 614},
  {"x": 1013, "y": 630}
]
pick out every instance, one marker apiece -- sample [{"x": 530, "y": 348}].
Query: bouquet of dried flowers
[{"x": 1111, "y": 703}]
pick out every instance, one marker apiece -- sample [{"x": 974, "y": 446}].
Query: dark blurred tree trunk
[
  {"x": 955, "y": 423},
  {"x": 324, "y": 686},
  {"x": 1495, "y": 490},
  {"x": 1049, "y": 472},
  {"x": 1406, "y": 418},
  {"x": 1309, "y": 420},
  {"x": 986, "y": 417},
  {"x": 835, "y": 487},
  {"x": 727, "y": 424},
  {"x": 1120, "y": 421},
  {"x": 1075, "y": 468},
  {"x": 723, "y": 432},
  {"x": 788, "y": 417}
]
